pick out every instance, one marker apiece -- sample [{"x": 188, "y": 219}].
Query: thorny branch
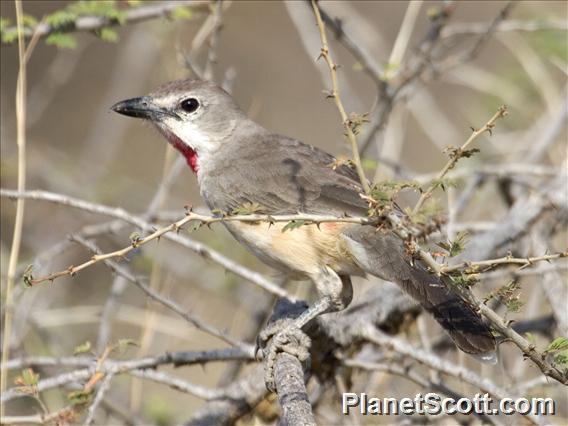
[
  {"x": 201, "y": 220},
  {"x": 139, "y": 222},
  {"x": 131, "y": 16},
  {"x": 487, "y": 265},
  {"x": 458, "y": 153},
  {"x": 347, "y": 122}
]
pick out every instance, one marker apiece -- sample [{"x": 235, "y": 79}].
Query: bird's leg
[{"x": 287, "y": 336}]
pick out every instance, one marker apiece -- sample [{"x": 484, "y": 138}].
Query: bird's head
[{"x": 195, "y": 116}]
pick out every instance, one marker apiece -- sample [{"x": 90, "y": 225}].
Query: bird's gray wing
[{"x": 286, "y": 176}]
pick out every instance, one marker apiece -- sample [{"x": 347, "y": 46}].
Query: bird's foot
[{"x": 281, "y": 336}]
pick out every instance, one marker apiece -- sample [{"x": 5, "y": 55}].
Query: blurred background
[{"x": 265, "y": 54}]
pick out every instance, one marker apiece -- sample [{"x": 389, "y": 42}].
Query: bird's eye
[{"x": 190, "y": 104}]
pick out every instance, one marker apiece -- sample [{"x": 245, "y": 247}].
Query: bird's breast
[{"x": 301, "y": 251}]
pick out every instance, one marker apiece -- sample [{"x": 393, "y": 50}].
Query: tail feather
[{"x": 381, "y": 253}]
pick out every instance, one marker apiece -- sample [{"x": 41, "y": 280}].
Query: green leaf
[
  {"x": 181, "y": 13},
  {"x": 454, "y": 247},
  {"x": 80, "y": 397},
  {"x": 4, "y": 23},
  {"x": 558, "y": 344},
  {"x": 561, "y": 359},
  {"x": 61, "y": 40},
  {"x": 134, "y": 238},
  {"x": 116, "y": 15},
  {"x": 508, "y": 295},
  {"x": 514, "y": 304},
  {"x": 108, "y": 34},
  {"x": 293, "y": 224},
  {"x": 28, "y": 276},
  {"x": 29, "y": 20},
  {"x": 9, "y": 35},
  {"x": 83, "y": 348},
  {"x": 60, "y": 18},
  {"x": 194, "y": 225},
  {"x": 385, "y": 192},
  {"x": 248, "y": 208},
  {"x": 29, "y": 377},
  {"x": 123, "y": 344},
  {"x": 461, "y": 279},
  {"x": 444, "y": 183},
  {"x": 92, "y": 7}
]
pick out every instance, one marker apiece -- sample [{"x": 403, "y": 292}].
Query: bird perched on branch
[{"x": 239, "y": 163}]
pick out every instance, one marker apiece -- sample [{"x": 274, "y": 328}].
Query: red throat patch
[{"x": 189, "y": 154}]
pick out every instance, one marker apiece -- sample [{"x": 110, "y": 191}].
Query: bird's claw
[{"x": 281, "y": 336}]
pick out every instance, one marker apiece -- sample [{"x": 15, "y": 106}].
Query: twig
[
  {"x": 403, "y": 37},
  {"x": 165, "y": 301},
  {"x": 410, "y": 72},
  {"x": 139, "y": 222},
  {"x": 473, "y": 267},
  {"x": 131, "y": 16},
  {"x": 38, "y": 419},
  {"x": 454, "y": 158},
  {"x": 473, "y": 28},
  {"x": 177, "y": 359},
  {"x": 103, "y": 388},
  {"x": 179, "y": 384},
  {"x": 367, "y": 60},
  {"x": 411, "y": 375},
  {"x": 439, "y": 364},
  {"x": 107, "y": 366},
  {"x": 472, "y": 52},
  {"x": 213, "y": 39},
  {"x": 241, "y": 397},
  {"x": 524, "y": 345},
  {"x": 109, "y": 308},
  {"x": 96, "y": 258},
  {"x": 499, "y": 171},
  {"x": 19, "y": 218},
  {"x": 347, "y": 124},
  {"x": 520, "y": 218}
]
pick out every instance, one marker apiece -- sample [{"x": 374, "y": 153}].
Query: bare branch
[
  {"x": 103, "y": 388},
  {"x": 473, "y": 28},
  {"x": 199, "y": 324},
  {"x": 291, "y": 390},
  {"x": 439, "y": 364}
]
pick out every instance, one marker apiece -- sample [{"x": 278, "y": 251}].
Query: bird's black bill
[{"x": 141, "y": 107}]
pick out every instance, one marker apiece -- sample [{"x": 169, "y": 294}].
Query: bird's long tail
[{"x": 382, "y": 254}]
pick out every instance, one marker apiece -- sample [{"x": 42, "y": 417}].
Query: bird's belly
[{"x": 300, "y": 252}]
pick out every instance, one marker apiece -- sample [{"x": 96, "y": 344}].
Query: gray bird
[{"x": 238, "y": 162}]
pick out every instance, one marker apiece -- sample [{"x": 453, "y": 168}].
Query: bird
[{"x": 240, "y": 163}]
